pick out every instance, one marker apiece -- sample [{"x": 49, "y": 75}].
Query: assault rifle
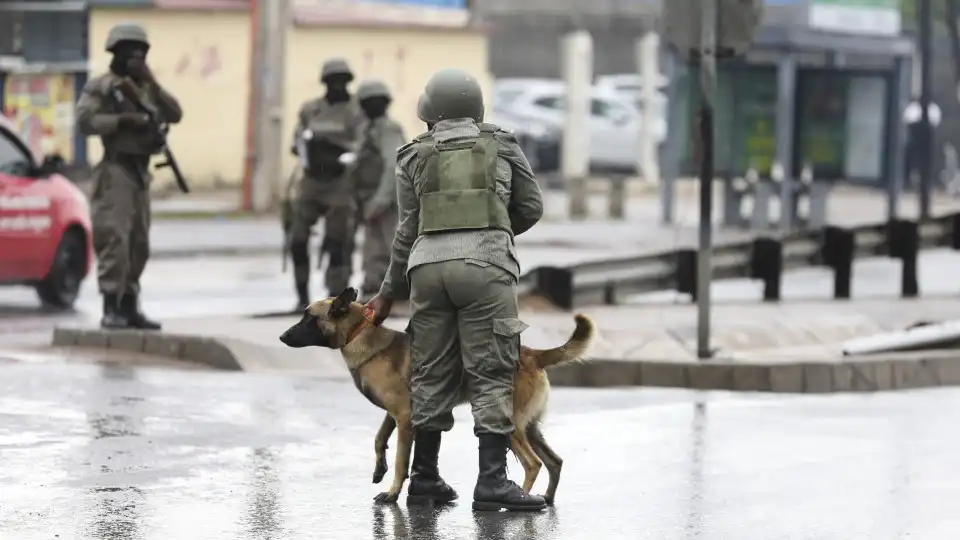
[{"x": 125, "y": 90}]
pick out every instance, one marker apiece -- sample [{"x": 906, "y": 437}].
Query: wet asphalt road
[{"x": 98, "y": 452}]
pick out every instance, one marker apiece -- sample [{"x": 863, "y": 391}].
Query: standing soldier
[
  {"x": 326, "y": 135},
  {"x": 465, "y": 190},
  {"x": 375, "y": 183},
  {"x": 120, "y": 204}
]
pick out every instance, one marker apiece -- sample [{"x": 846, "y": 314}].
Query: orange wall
[{"x": 203, "y": 58}]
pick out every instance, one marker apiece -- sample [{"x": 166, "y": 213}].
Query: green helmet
[
  {"x": 335, "y": 66},
  {"x": 126, "y": 32},
  {"x": 373, "y": 88},
  {"x": 453, "y": 93},
  {"x": 423, "y": 110}
]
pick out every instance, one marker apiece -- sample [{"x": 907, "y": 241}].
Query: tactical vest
[
  {"x": 459, "y": 191},
  {"x": 369, "y": 165},
  {"x": 331, "y": 136}
]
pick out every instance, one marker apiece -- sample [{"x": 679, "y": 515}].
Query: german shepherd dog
[{"x": 379, "y": 361}]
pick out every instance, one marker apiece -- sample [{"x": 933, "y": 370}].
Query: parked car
[
  {"x": 614, "y": 121},
  {"x": 630, "y": 86},
  {"x": 45, "y": 231}
]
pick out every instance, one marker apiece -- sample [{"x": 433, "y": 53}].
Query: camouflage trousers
[
  {"x": 120, "y": 212},
  {"x": 327, "y": 198},
  {"x": 377, "y": 245},
  {"x": 464, "y": 325}
]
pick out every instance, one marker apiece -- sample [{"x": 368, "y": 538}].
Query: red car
[{"x": 45, "y": 231}]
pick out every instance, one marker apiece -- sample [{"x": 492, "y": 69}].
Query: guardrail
[{"x": 765, "y": 258}]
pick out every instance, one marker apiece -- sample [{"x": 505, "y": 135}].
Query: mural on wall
[{"x": 42, "y": 108}]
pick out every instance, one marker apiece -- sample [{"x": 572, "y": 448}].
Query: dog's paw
[
  {"x": 380, "y": 471},
  {"x": 387, "y": 498},
  {"x": 548, "y": 499}
]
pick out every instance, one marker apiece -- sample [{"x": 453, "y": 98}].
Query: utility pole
[
  {"x": 925, "y": 147},
  {"x": 274, "y": 22},
  {"x": 705, "y": 31}
]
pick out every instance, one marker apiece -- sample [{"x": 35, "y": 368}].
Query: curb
[
  {"x": 924, "y": 369},
  {"x": 226, "y": 251},
  {"x": 202, "y": 350}
]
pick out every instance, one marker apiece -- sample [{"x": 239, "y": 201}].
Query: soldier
[
  {"x": 120, "y": 203},
  {"x": 465, "y": 190},
  {"x": 326, "y": 136},
  {"x": 375, "y": 182}
]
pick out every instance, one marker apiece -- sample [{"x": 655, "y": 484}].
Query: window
[
  {"x": 607, "y": 109},
  {"x": 12, "y": 159},
  {"x": 550, "y": 102}
]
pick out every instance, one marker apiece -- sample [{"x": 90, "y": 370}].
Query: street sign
[{"x": 737, "y": 22}]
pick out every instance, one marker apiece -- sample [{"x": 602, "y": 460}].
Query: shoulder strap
[{"x": 488, "y": 128}]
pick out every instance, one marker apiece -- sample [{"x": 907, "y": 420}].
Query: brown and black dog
[{"x": 379, "y": 361}]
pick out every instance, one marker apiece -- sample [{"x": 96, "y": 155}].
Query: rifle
[{"x": 126, "y": 91}]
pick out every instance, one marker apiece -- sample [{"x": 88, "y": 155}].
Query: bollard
[
  {"x": 837, "y": 249},
  {"x": 766, "y": 264},
  {"x": 903, "y": 242},
  {"x": 618, "y": 197},
  {"x": 686, "y": 276}
]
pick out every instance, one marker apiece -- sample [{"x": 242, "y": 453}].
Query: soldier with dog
[{"x": 465, "y": 190}]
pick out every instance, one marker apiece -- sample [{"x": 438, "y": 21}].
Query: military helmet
[
  {"x": 453, "y": 93},
  {"x": 424, "y": 112},
  {"x": 126, "y": 32},
  {"x": 373, "y": 88},
  {"x": 335, "y": 66}
]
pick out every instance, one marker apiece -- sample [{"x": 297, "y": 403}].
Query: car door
[
  {"x": 25, "y": 211},
  {"x": 554, "y": 108},
  {"x": 616, "y": 133}
]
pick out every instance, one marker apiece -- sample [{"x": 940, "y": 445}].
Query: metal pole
[
  {"x": 708, "y": 77},
  {"x": 926, "y": 142}
]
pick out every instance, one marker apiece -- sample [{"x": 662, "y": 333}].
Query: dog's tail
[{"x": 575, "y": 347}]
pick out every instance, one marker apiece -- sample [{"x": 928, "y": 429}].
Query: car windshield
[{"x": 13, "y": 160}]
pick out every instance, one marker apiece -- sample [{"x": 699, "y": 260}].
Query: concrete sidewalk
[{"x": 788, "y": 348}]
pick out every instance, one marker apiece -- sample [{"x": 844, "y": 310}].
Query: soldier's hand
[
  {"x": 374, "y": 212},
  {"x": 146, "y": 74},
  {"x": 381, "y": 307},
  {"x": 133, "y": 120}
]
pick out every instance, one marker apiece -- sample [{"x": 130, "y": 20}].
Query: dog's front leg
[
  {"x": 380, "y": 446},
  {"x": 401, "y": 464}
]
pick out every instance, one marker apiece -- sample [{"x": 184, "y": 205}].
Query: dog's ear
[{"x": 341, "y": 304}]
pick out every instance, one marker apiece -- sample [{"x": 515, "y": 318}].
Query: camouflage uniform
[
  {"x": 120, "y": 203},
  {"x": 465, "y": 190},
  {"x": 324, "y": 190},
  {"x": 375, "y": 183}
]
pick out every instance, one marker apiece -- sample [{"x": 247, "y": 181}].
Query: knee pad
[{"x": 298, "y": 252}]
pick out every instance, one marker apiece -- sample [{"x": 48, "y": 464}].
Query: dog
[{"x": 379, "y": 361}]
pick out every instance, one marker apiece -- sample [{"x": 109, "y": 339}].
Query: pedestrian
[
  {"x": 375, "y": 183},
  {"x": 326, "y": 136},
  {"x": 465, "y": 190},
  {"x": 120, "y": 203}
]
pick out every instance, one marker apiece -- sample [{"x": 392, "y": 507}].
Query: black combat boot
[
  {"x": 426, "y": 486},
  {"x": 130, "y": 304},
  {"x": 494, "y": 491},
  {"x": 113, "y": 316},
  {"x": 303, "y": 296}
]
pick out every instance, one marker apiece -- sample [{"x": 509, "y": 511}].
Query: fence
[{"x": 765, "y": 258}]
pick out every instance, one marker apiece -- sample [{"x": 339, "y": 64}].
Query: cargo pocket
[{"x": 506, "y": 343}]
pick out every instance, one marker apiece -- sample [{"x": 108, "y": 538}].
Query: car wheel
[{"x": 60, "y": 288}]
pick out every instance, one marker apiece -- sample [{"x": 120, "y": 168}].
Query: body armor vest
[
  {"x": 460, "y": 188},
  {"x": 327, "y": 136}
]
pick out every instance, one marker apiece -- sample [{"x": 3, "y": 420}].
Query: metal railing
[{"x": 765, "y": 258}]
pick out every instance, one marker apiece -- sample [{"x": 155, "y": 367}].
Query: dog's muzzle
[{"x": 304, "y": 334}]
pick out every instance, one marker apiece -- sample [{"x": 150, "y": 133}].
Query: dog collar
[{"x": 368, "y": 316}]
